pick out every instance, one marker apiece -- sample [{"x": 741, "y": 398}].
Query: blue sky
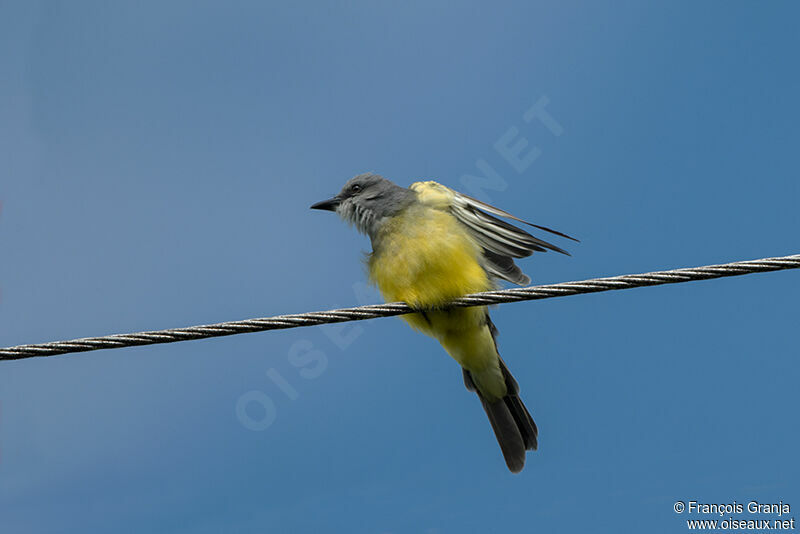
[{"x": 158, "y": 161}]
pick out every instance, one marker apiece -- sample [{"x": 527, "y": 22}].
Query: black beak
[{"x": 329, "y": 204}]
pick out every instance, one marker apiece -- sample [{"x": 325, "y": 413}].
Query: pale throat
[{"x": 365, "y": 220}]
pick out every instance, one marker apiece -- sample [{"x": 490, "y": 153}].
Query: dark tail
[{"x": 512, "y": 423}]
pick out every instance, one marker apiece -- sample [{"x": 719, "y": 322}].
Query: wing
[{"x": 501, "y": 241}]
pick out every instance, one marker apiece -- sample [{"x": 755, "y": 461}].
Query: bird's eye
[{"x": 355, "y": 188}]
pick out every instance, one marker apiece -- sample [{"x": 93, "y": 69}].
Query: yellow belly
[{"x": 426, "y": 258}]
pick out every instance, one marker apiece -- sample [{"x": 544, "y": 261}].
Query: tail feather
[
  {"x": 512, "y": 423},
  {"x": 525, "y": 423}
]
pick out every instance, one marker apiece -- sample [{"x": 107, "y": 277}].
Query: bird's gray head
[{"x": 366, "y": 201}]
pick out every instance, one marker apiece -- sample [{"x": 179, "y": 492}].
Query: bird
[{"x": 430, "y": 245}]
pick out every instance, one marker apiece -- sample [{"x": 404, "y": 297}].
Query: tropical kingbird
[{"x": 430, "y": 245}]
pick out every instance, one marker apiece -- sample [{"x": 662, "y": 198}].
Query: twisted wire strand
[{"x": 360, "y": 313}]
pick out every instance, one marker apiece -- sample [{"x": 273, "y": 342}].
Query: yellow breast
[{"x": 425, "y": 258}]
